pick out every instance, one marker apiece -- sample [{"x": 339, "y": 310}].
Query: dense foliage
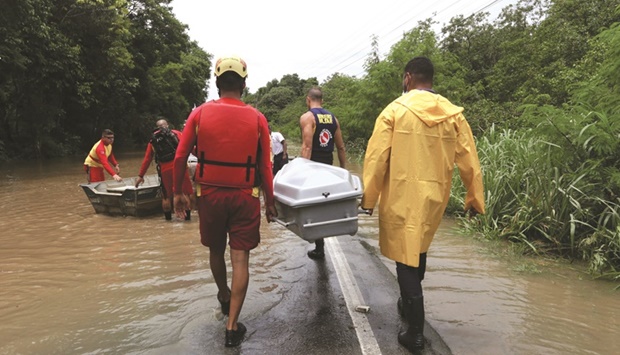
[
  {"x": 540, "y": 87},
  {"x": 539, "y": 84},
  {"x": 70, "y": 68}
]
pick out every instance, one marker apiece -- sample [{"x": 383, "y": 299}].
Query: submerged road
[{"x": 317, "y": 315}]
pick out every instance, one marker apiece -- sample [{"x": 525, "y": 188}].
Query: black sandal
[
  {"x": 224, "y": 305},
  {"x": 235, "y": 337}
]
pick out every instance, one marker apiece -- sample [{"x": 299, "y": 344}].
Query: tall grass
[
  {"x": 356, "y": 149},
  {"x": 534, "y": 196}
]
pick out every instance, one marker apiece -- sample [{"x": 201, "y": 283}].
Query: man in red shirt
[
  {"x": 233, "y": 148},
  {"x": 162, "y": 147},
  {"x": 100, "y": 157}
]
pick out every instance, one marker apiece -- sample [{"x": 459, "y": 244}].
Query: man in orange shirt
[{"x": 100, "y": 157}]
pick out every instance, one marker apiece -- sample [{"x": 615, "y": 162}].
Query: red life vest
[{"x": 228, "y": 145}]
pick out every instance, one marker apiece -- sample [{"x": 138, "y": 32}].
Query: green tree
[
  {"x": 196, "y": 64},
  {"x": 340, "y": 96},
  {"x": 275, "y": 100},
  {"x": 102, "y": 95},
  {"x": 48, "y": 79},
  {"x": 474, "y": 42},
  {"x": 70, "y": 68}
]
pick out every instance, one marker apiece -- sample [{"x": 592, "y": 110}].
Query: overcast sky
[{"x": 314, "y": 38}]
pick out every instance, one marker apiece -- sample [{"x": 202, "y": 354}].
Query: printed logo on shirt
[
  {"x": 324, "y": 137},
  {"x": 324, "y": 118}
]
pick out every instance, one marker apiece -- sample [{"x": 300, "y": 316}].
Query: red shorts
[
  {"x": 94, "y": 174},
  {"x": 167, "y": 180},
  {"x": 229, "y": 211}
]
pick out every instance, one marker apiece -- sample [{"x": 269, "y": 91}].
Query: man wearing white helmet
[{"x": 233, "y": 149}]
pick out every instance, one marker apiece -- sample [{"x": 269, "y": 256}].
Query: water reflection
[
  {"x": 74, "y": 282},
  {"x": 481, "y": 304}
]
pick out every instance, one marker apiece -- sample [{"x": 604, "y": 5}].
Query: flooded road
[{"x": 75, "y": 282}]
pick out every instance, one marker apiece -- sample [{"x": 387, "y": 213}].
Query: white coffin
[{"x": 316, "y": 200}]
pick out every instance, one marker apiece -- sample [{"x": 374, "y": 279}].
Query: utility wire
[
  {"x": 352, "y": 42},
  {"x": 472, "y": 14},
  {"x": 408, "y": 20},
  {"x": 362, "y": 45}
]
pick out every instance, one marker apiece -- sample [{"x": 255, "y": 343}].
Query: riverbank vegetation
[
  {"x": 69, "y": 69},
  {"x": 539, "y": 84}
]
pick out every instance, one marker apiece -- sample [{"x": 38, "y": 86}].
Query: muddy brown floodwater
[{"x": 75, "y": 282}]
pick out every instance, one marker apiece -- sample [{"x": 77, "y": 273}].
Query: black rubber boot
[
  {"x": 168, "y": 215},
  {"x": 188, "y": 215},
  {"x": 413, "y": 338},
  {"x": 319, "y": 251},
  {"x": 401, "y": 308}
]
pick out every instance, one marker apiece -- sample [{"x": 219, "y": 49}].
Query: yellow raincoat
[{"x": 409, "y": 162}]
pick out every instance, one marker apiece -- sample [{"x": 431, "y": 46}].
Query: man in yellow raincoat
[{"x": 417, "y": 140}]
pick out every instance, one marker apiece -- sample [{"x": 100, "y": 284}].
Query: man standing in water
[
  {"x": 163, "y": 146},
  {"x": 280, "y": 151},
  {"x": 100, "y": 157},
  {"x": 233, "y": 149},
  {"x": 320, "y": 132},
  {"x": 417, "y": 140}
]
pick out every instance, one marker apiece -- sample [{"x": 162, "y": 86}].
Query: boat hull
[{"x": 123, "y": 198}]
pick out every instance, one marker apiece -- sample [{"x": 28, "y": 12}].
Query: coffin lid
[{"x": 304, "y": 182}]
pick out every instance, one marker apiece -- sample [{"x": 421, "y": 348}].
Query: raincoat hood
[{"x": 430, "y": 108}]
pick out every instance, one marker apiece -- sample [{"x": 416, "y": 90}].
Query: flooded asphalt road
[{"x": 317, "y": 315}]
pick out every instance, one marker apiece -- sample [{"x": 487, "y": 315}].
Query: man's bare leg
[
  {"x": 239, "y": 287},
  {"x": 217, "y": 263}
]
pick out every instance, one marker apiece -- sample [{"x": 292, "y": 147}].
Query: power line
[
  {"x": 487, "y": 6},
  {"x": 394, "y": 40},
  {"x": 353, "y": 41},
  {"x": 408, "y": 20}
]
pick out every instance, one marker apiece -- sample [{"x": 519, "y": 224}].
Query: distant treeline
[{"x": 70, "y": 68}]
